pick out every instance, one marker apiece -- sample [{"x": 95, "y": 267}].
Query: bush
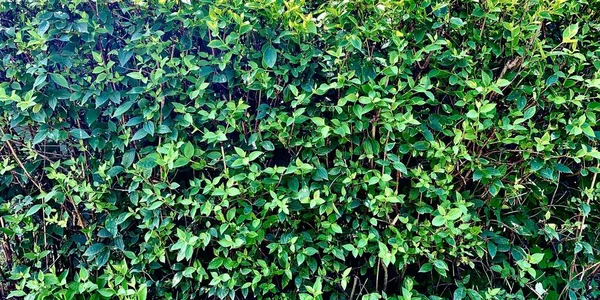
[{"x": 299, "y": 150}]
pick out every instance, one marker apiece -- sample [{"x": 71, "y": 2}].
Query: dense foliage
[{"x": 277, "y": 149}]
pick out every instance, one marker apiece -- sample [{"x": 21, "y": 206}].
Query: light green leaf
[
  {"x": 569, "y": 33},
  {"x": 536, "y": 258},
  {"x": 218, "y": 44},
  {"x": 188, "y": 150},
  {"x": 136, "y": 75},
  {"x": 454, "y": 214},
  {"x": 142, "y": 292},
  {"x": 487, "y": 108},
  {"x": 438, "y": 221},
  {"x": 472, "y": 114}
]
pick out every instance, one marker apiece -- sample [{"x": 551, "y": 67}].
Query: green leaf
[
  {"x": 60, "y": 80},
  {"x": 321, "y": 174},
  {"x": 147, "y": 162},
  {"x": 588, "y": 130},
  {"x": 336, "y": 228},
  {"x": 318, "y": 121},
  {"x": 310, "y": 251},
  {"x": 459, "y": 294},
  {"x": 398, "y": 165},
  {"x": 39, "y": 137},
  {"x": 457, "y": 22},
  {"x": 124, "y": 57},
  {"x": 421, "y": 145},
  {"x": 114, "y": 171},
  {"x": 44, "y": 25},
  {"x": 268, "y": 145},
  {"x": 140, "y": 134},
  {"x": 426, "y": 268},
  {"x": 40, "y": 80},
  {"x": 269, "y": 56},
  {"x": 441, "y": 267},
  {"x": 122, "y": 108},
  {"x": 529, "y": 113},
  {"x": 492, "y": 249},
  {"x": 536, "y": 165},
  {"x": 163, "y": 129},
  {"x": 111, "y": 226},
  {"x": 102, "y": 257},
  {"x": 356, "y": 42},
  {"x": 440, "y": 264},
  {"x": 79, "y": 134},
  {"x": 502, "y": 82},
  {"x": 93, "y": 250},
  {"x": 106, "y": 292},
  {"x": 485, "y": 78},
  {"x": 551, "y": 80},
  {"x": 149, "y": 127},
  {"x": 357, "y": 109},
  {"x": 254, "y": 155},
  {"x": 128, "y": 158},
  {"x": 16, "y": 293},
  {"x": 92, "y": 115},
  {"x": 562, "y": 168},
  {"x": 34, "y": 209}
]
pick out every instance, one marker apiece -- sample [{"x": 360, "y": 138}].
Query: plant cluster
[{"x": 274, "y": 149}]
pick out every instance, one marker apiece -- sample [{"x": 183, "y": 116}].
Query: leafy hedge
[{"x": 299, "y": 149}]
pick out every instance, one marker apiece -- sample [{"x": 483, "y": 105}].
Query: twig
[
  {"x": 39, "y": 187},
  {"x": 16, "y": 157},
  {"x": 224, "y": 162},
  {"x": 353, "y": 287},
  {"x": 385, "y": 278},
  {"x": 581, "y": 226},
  {"x": 377, "y": 276},
  {"x": 363, "y": 287}
]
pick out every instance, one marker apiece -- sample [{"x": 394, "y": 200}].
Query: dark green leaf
[
  {"x": 269, "y": 56},
  {"x": 79, "y": 134},
  {"x": 60, "y": 80}
]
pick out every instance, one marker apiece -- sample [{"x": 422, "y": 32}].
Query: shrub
[{"x": 299, "y": 149}]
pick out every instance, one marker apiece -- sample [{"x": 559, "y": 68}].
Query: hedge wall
[{"x": 273, "y": 149}]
